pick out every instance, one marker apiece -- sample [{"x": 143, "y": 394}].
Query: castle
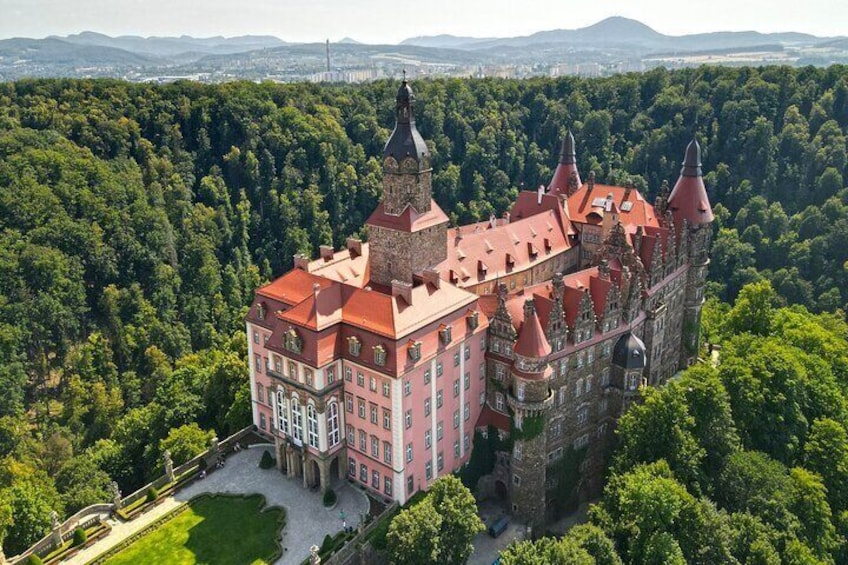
[{"x": 379, "y": 361}]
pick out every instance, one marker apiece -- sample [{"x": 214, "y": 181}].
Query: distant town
[{"x": 615, "y": 45}]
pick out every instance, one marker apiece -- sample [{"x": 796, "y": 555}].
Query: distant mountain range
[
  {"x": 613, "y": 41},
  {"x": 618, "y": 32}
]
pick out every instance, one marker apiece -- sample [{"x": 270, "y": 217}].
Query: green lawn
[{"x": 225, "y": 530}]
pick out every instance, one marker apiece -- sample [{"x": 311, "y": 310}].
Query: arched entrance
[
  {"x": 314, "y": 474},
  {"x": 335, "y": 472},
  {"x": 501, "y": 491}
]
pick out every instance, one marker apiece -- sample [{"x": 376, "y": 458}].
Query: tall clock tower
[{"x": 408, "y": 231}]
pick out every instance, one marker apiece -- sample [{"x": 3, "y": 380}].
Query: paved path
[{"x": 307, "y": 521}]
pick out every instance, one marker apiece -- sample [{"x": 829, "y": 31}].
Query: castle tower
[
  {"x": 693, "y": 217},
  {"x": 566, "y": 179},
  {"x": 628, "y": 365},
  {"x": 530, "y": 398},
  {"x": 408, "y": 230}
]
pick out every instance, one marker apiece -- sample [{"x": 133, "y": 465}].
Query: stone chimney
[
  {"x": 301, "y": 262},
  {"x": 403, "y": 290},
  {"x": 326, "y": 252},
  {"x": 539, "y": 192},
  {"x": 354, "y": 245},
  {"x": 431, "y": 277}
]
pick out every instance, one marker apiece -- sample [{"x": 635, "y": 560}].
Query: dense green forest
[
  {"x": 136, "y": 221},
  {"x": 746, "y": 463}
]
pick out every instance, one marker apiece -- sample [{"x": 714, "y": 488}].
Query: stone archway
[
  {"x": 335, "y": 470},
  {"x": 501, "y": 491},
  {"x": 314, "y": 480}
]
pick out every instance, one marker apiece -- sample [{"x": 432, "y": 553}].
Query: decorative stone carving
[
  {"x": 116, "y": 495},
  {"x": 169, "y": 466},
  {"x": 56, "y": 528},
  {"x": 314, "y": 558}
]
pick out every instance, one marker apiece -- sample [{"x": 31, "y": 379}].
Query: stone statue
[
  {"x": 214, "y": 448},
  {"x": 169, "y": 466},
  {"x": 116, "y": 495},
  {"x": 56, "y": 528},
  {"x": 314, "y": 558}
]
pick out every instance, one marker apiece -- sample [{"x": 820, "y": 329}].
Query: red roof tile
[
  {"x": 638, "y": 213},
  {"x": 408, "y": 220},
  {"x": 531, "y": 338}
]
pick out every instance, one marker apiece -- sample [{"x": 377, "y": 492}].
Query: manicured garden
[{"x": 220, "y": 529}]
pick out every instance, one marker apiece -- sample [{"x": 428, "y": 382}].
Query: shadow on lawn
[{"x": 239, "y": 532}]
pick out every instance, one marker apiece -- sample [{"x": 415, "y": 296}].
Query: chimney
[
  {"x": 301, "y": 262},
  {"x": 506, "y": 216},
  {"x": 315, "y": 289},
  {"x": 591, "y": 181},
  {"x": 431, "y": 277},
  {"x": 539, "y": 192},
  {"x": 354, "y": 246},
  {"x": 627, "y": 190},
  {"x": 326, "y": 252},
  {"x": 492, "y": 222},
  {"x": 402, "y": 289},
  {"x": 328, "y": 56}
]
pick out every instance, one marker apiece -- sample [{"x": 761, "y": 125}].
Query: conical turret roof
[
  {"x": 688, "y": 201},
  {"x": 532, "y": 342},
  {"x": 567, "y": 165}
]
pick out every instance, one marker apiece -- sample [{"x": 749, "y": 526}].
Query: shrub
[
  {"x": 267, "y": 461},
  {"x": 327, "y": 544},
  {"x": 329, "y": 497},
  {"x": 80, "y": 537},
  {"x": 152, "y": 494},
  {"x": 34, "y": 560}
]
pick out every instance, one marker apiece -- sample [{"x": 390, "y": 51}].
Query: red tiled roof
[
  {"x": 562, "y": 175},
  {"x": 689, "y": 201},
  {"x": 638, "y": 213},
  {"x": 531, "y": 338},
  {"x": 486, "y": 252},
  {"x": 408, "y": 220},
  {"x": 489, "y": 417},
  {"x": 293, "y": 287}
]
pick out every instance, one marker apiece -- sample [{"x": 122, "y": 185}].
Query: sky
[{"x": 390, "y": 21}]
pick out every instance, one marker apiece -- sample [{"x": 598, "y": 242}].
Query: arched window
[
  {"x": 333, "y": 423},
  {"x": 283, "y": 412},
  {"x": 312, "y": 422},
  {"x": 296, "y": 421}
]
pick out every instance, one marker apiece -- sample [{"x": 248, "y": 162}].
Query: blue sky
[{"x": 390, "y": 21}]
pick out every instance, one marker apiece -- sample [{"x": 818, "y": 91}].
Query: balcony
[{"x": 531, "y": 408}]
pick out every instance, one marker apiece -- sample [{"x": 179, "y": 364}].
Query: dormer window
[
  {"x": 354, "y": 346},
  {"x": 292, "y": 341},
  {"x": 414, "y": 350},
  {"x": 261, "y": 310},
  {"x": 379, "y": 355},
  {"x": 473, "y": 319},
  {"x": 445, "y": 335}
]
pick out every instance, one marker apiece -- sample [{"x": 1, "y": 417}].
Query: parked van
[{"x": 499, "y": 526}]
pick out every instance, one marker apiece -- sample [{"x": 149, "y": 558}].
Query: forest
[{"x": 136, "y": 221}]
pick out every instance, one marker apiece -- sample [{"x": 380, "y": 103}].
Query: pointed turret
[
  {"x": 405, "y": 140},
  {"x": 567, "y": 167},
  {"x": 688, "y": 200},
  {"x": 532, "y": 342}
]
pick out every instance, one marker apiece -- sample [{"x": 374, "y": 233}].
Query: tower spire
[
  {"x": 688, "y": 201},
  {"x": 566, "y": 173}
]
